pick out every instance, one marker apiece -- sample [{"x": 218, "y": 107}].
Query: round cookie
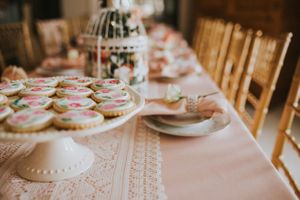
[
  {"x": 107, "y": 94},
  {"x": 5, "y": 111},
  {"x": 11, "y": 88},
  {"x": 73, "y": 103},
  {"x": 29, "y": 120},
  {"x": 73, "y": 91},
  {"x": 115, "y": 108},
  {"x": 78, "y": 119},
  {"x": 3, "y": 99},
  {"x": 32, "y": 102},
  {"x": 37, "y": 91},
  {"x": 108, "y": 83},
  {"x": 42, "y": 82},
  {"x": 76, "y": 81}
]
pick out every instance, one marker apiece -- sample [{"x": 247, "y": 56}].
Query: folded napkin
[{"x": 208, "y": 107}]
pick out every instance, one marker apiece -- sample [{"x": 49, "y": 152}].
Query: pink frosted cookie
[
  {"x": 73, "y": 91},
  {"x": 11, "y": 88},
  {"x": 73, "y": 103},
  {"x": 5, "y": 111},
  {"x": 106, "y": 94},
  {"x": 37, "y": 91},
  {"x": 108, "y": 83},
  {"x": 76, "y": 81},
  {"x": 42, "y": 82},
  {"x": 33, "y": 102},
  {"x": 115, "y": 108},
  {"x": 3, "y": 99},
  {"x": 78, "y": 119},
  {"x": 29, "y": 120}
]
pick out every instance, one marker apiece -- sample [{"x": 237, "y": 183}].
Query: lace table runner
[{"x": 127, "y": 166}]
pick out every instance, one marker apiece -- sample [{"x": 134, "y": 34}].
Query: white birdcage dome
[{"x": 119, "y": 28}]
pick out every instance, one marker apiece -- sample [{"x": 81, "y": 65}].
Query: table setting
[{"x": 140, "y": 124}]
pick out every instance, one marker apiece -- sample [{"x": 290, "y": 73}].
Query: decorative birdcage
[{"x": 116, "y": 44}]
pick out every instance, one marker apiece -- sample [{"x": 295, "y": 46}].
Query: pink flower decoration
[
  {"x": 37, "y": 89},
  {"x": 2, "y": 109},
  {"x": 40, "y": 80},
  {"x": 120, "y": 101},
  {"x": 114, "y": 81},
  {"x": 74, "y": 98},
  {"x": 82, "y": 90},
  {"x": 33, "y": 103},
  {"x": 28, "y": 98},
  {"x": 82, "y": 81},
  {"x": 89, "y": 113},
  {"x": 70, "y": 88},
  {"x": 109, "y": 106},
  {"x": 75, "y": 105},
  {"x": 116, "y": 95},
  {"x": 100, "y": 82},
  {"x": 20, "y": 118},
  {"x": 105, "y": 90},
  {"x": 38, "y": 112}
]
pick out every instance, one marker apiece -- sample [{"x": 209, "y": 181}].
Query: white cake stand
[{"x": 56, "y": 156}]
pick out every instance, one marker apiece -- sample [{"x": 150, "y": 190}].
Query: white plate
[{"x": 205, "y": 127}]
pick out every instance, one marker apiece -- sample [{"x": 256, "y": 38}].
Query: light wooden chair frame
[
  {"x": 263, "y": 68},
  {"x": 16, "y": 43},
  {"x": 210, "y": 42},
  {"x": 44, "y": 26},
  {"x": 291, "y": 109},
  {"x": 235, "y": 61}
]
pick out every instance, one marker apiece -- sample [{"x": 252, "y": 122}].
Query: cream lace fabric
[{"x": 127, "y": 166}]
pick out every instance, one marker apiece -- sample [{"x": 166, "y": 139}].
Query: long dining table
[{"x": 134, "y": 162}]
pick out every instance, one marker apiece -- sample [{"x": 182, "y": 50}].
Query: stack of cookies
[{"x": 70, "y": 103}]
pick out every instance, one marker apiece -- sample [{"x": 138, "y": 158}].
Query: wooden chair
[
  {"x": 211, "y": 42},
  {"x": 53, "y": 34},
  {"x": 259, "y": 79},
  {"x": 16, "y": 45},
  {"x": 235, "y": 62},
  {"x": 291, "y": 109},
  {"x": 76, "y": 26}
]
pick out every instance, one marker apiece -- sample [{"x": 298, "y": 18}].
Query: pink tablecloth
[{"x": 226, "y": 165}]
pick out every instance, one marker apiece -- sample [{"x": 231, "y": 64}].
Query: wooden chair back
[
  {"x": 16, "y": 45},
  {"x": 76, "y": 26},
  {"x": 211, "y": 40},
  {"x": 235, "y": 62},
  {"x": 261, "y": 73},
  {"x": 291, "y": 109},
  {"x": 53, "y": 34}
]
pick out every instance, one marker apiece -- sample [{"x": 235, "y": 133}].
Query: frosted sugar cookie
[
  {"x": 42, "y": 82},
  {"x": 73, "y": 103},
  {"x": 76, "y": 81},
  {"x": 73, "y": 91},
  {"x": 31, "y": 102},
  {"x": 3, "y": 99},
  {"x": 5, "y": 111},
  {"x": 115, "y": 108},
  {"x": 108, "y": 83},
  {"x": 11, "y": 88},
  {"x": 29, "y": 120},
  {"x": 106, "y": 94},
  {"x": 37, "y": 91},
  {"x": 78, "y": 119}
]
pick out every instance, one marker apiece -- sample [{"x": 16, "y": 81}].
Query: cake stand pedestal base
[{"x": 55, "y": 160}]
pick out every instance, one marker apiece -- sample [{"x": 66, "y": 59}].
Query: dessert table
[{"x": 135, "y": 162}]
